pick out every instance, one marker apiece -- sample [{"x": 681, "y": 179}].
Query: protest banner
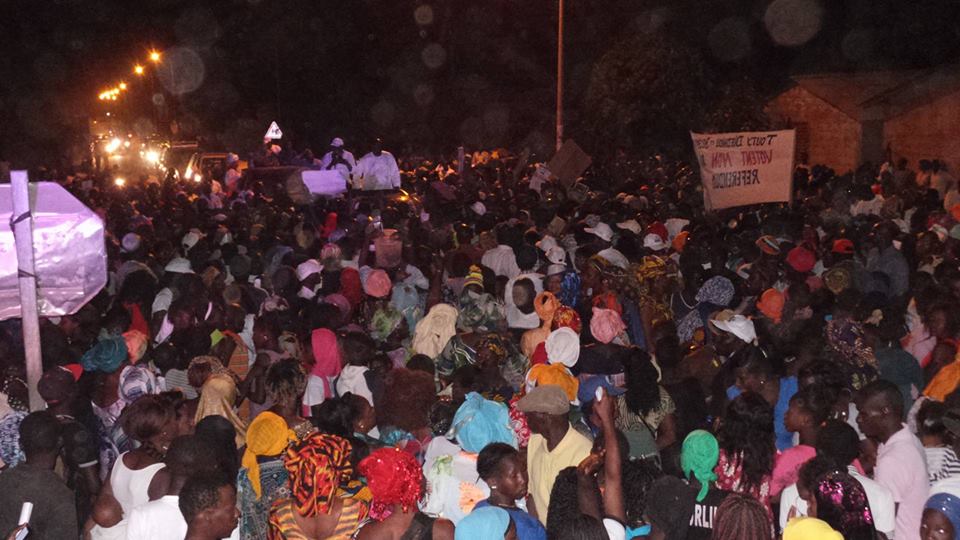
[
  {"x": 325, "y": 183},
  {"x": 744, "y": 168}
]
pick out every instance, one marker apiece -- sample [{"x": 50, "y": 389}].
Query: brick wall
[
  {"x": 930, "y": 131},
  {"x": 834, "y": 137}
]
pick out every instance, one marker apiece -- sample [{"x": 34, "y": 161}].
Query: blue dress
[{"x": 528, "y": 527}]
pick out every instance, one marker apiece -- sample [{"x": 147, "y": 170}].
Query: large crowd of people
[{"x": 484, "y": 354}]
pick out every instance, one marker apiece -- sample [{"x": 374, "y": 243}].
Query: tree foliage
[{"x": 649, "y": 91}]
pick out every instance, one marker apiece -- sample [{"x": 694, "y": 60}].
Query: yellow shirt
[{"x": 543, "y": 466}]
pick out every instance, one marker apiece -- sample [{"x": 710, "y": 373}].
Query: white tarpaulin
[
  {"x": 68, "y": 246},
  {"x": 745, "y": 168},
  {"x": 325, "y": 183}
]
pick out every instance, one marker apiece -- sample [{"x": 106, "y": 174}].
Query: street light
[
  {"x": 155, "y": 57},
  {"x": 138, "y": 69},
  {"x": 123, "y": 86}
]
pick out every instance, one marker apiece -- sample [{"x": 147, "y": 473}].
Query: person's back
[
  {"x": 54, "y": 513},
  {"x": 161, "y": 519}
]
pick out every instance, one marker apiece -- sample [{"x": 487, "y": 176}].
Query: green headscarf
[{"x": 699, "y": 456}]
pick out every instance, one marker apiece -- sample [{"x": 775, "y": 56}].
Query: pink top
[
  {"x": 902, "y": 468},
  {"x": 787, "y": 467}
]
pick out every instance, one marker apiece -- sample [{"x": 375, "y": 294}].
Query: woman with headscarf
[
  {"x": 404, "y": 412},
  {"x": 545, "y": 304},
  {"x": 263, "y": 478},
  {"x": 435, "y": 330},
  {"x": 563, "y": 350},
  {"x": 698, "y": 457},
  {"x": 941, "y": 517},
  {"x": 715, "y": 293},
  {"x": 451, "y": 467},
  {"x": 318, "y": 470},
  {"x": 395, "y": 480},
  {"x": 116, "y": 384},
  {"x": 218, "y": 393},
  {"x": 326, "y": 367}
]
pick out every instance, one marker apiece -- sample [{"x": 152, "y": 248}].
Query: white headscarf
[
  {"x": 435, "y": 330},
  {"x": 563, "y": 347}
]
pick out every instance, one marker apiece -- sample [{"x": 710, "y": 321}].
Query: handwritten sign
[{"x": 744, "y": 168}]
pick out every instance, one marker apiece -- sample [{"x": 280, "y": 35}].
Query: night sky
[{"x": 425, "y": 75}]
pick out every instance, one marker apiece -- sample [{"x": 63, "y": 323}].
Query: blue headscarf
[
  {"x": 949, "y": 506},
  {"x": 570, "y": 289},
  {"x": 479, "y": 422},
  {"x": 106, "y": 356},
  {"x": 485, "y": 523}
]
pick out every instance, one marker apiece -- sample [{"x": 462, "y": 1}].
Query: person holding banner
[{"x": 377, "y": 170}]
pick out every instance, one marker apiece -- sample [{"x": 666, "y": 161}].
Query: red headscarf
[
  {"x": 567, "y": 317},
  {"x": 326, "y": 357},
  {"x": 350, "y": 286},
  {"x": 394, "y": 477}
]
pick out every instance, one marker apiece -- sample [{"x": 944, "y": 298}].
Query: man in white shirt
[
  {"x": 377, "y": 170},
  {"x": 901, "y": 462},
  {"x": 839, "y": 443},
  {"x": 339, "y": 159},
  {"x": 501, "y": 259}
]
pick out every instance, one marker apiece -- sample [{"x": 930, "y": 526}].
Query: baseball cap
[{"x": 601, "y": 230}]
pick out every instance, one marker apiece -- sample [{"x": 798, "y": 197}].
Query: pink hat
[
  {"x": 377, "y": 284},
  {"x": 606, "y": 324}
]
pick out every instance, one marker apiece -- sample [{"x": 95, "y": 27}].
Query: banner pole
[{"x": 22, "y": 224}]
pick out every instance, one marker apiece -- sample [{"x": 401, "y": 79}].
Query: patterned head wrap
[
  {"x": 566, "y": 317},
  {"x": 570, "y": 289},
  {"x": 106, "y": 356},
  {"x": 717, "y": 290},
  {"x": 384, "y": 322},
  {"x": 318, "y": 466},
  {"x": 698, "y": 457},
  {"x": 394, "y": 477},
  {"x": 842, "y": 502},
  {"x": 268, "y": 435}
]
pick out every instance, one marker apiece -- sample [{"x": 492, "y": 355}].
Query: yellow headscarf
[
  {"x": 268, "y": 435},
  {"x": 217, "y": 396}
]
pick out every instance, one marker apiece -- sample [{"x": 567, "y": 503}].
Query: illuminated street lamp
[
  {"x": 138, "y": 69},
  {"x": 155, "y": 57},
  {"x": 123, "y": 86}
]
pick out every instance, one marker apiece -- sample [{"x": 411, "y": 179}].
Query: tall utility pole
[{"x": 560, "y": 75}]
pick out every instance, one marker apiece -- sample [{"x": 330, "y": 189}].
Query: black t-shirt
[{"x": 704, "y": 512}]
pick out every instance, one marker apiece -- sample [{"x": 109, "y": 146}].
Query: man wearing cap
[
  {"x": 339, "y": 159},
  {"x": 554, "y": 444},
  {"x": 377, "y": 170},
  {"x": 604, "y": 235}
]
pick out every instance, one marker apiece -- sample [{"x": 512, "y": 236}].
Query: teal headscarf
[
  {"x": 699, "y": 456},
  {"x": 479, "y": 422},
  {"x": 486, "y": 523},
  {"x": 106, "y": 356}
]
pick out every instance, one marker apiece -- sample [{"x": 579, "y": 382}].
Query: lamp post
[{"x": 560, "y": 75}]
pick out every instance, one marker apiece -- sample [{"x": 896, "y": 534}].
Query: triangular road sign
[{"x": 273, "y": 132}]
